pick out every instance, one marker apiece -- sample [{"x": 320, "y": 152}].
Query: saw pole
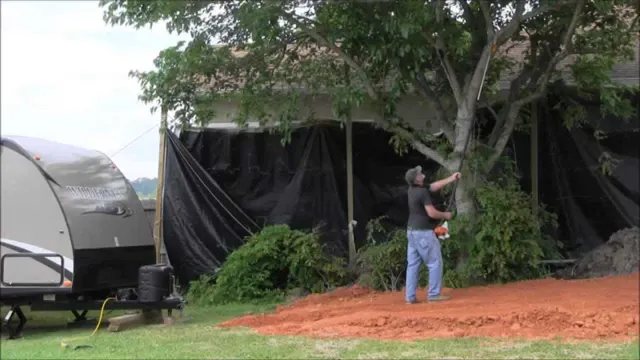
[{"x": 157, "y": 226}]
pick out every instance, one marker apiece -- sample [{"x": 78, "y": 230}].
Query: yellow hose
[{"x": 65, "y": 344}]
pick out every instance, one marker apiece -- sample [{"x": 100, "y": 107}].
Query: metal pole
[
  {"x": 349, "y": 146},
  {"x": 157, "y": 226},
  {"x": 534, "y": 157},
  {"x": 352, "y": 242}
]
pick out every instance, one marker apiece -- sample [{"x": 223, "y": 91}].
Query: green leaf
[{"x": 276, "y": 58}]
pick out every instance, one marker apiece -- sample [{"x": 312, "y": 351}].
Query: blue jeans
[{"x": 423, "y": 246}]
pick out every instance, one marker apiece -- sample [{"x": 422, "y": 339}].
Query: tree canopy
[{"x": 274, "y": 56}]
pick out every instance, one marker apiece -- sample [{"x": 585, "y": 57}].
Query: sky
[{"x": 64, "y": 77}]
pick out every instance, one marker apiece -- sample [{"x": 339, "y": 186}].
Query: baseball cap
[{"x": 411, "y": 175}]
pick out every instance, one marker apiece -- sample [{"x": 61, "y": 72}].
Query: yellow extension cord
[{"x": 66, "y": 344}]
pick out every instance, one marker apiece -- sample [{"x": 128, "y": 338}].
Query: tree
[
  {"x": 273, "y": 56},
  {"x": 145, "y": 187}
]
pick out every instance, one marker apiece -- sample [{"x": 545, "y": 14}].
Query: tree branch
[
  {"x": 510, "y": 123},
  {"x": 564, "y": 51},
  {"x": 634, "y": 22},
  {"x": 451, "y": 74},
  {"x": 488, "y": 21},
  {"x": 514, "y": 107},
  {"x": 488, "y": 106},
  {"x": 475, "y": 81},
  {"x": 467, "y": 12},
  {"x": 442, "y": 55},
  {"x": 510, "y": 29},
  {"x": 515, "y": 86},
  {"x": 419, "y": 146},
  {"x": 426, "y": 91},
  {"x": 337, "y": 50}
]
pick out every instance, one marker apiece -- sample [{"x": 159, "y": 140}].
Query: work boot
[
  {"x": 439, "y": 298},
  {"x": 412, "y": 301}
]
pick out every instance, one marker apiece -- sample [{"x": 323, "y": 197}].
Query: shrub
[
  {"x": 508, "y": 240},
  {"x": 383, "y": 261},
  {"x": 269, "y": 263},
  {"x": 505, "y": 242},
  {"x": 202, "y": 290}
]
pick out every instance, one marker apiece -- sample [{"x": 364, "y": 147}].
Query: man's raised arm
[{"x": 437, "y": 185}]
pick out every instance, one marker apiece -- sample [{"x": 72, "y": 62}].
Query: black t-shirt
[{"x": 418, "y": 218}]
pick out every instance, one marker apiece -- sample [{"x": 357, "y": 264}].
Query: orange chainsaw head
[{"x": 440, "y": 230}]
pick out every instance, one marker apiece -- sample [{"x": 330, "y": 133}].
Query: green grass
[{"x": 198, "y": 338}]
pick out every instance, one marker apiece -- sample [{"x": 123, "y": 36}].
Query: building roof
[
  {"x": 627, "y": 73},
  {"x": 624, "y": 73}
]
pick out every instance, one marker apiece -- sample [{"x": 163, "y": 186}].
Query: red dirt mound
[{"x": 603, "y": 308}]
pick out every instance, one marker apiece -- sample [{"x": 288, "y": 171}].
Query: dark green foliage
[
  {"x": 508, "y": 238},
  {"x": 202, "y": 291},
  {"x": 268, "y": 264},
  {"x": 383, "y": 261},
  {"x": 377, "y": 53},
  {"x": 505, "y": 243}
]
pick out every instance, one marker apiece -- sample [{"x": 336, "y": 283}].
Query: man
[{"x": 424, "y": 245}]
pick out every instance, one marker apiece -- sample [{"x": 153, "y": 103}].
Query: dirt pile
[
  {"x": 618, "y": 256},
  {"x": 604, "y": 308}
]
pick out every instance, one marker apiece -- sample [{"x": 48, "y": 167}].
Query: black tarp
[
  {"x": 222, "y": 184},
  {"x": 589, "y": 204},
  {"x": 201, "y": 224},
  {"x": 302, "y": 185}
]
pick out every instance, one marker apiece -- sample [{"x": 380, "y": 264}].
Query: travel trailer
[{"x": 73, "y": 229}]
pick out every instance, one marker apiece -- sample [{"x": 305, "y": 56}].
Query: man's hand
[
  {"x": 447, "y": 215},
  {"x": 436, "y": 186}
]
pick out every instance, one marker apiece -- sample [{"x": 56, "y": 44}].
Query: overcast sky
[{"x": 65, "y": 78}]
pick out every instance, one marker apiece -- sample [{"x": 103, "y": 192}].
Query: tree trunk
[
  {"x": 465, "y": 205},
  {"x": 463, "y": 199}
]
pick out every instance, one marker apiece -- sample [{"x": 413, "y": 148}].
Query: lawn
[{"x": 198, "y": 337}]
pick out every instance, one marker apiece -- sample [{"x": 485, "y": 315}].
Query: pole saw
[{"x": 442, "y": 231}]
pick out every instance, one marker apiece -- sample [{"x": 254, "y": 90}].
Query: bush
[
  {"x": 509, "y": 242},
  {"x": 506, "y": 241},
  {"x": 202, "y": 290},
  {"x": 271, "y": 262},
  {"x": 383, "y": 261}
]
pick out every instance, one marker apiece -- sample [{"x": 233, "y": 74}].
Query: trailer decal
[{"x": 32, "y": 249}]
